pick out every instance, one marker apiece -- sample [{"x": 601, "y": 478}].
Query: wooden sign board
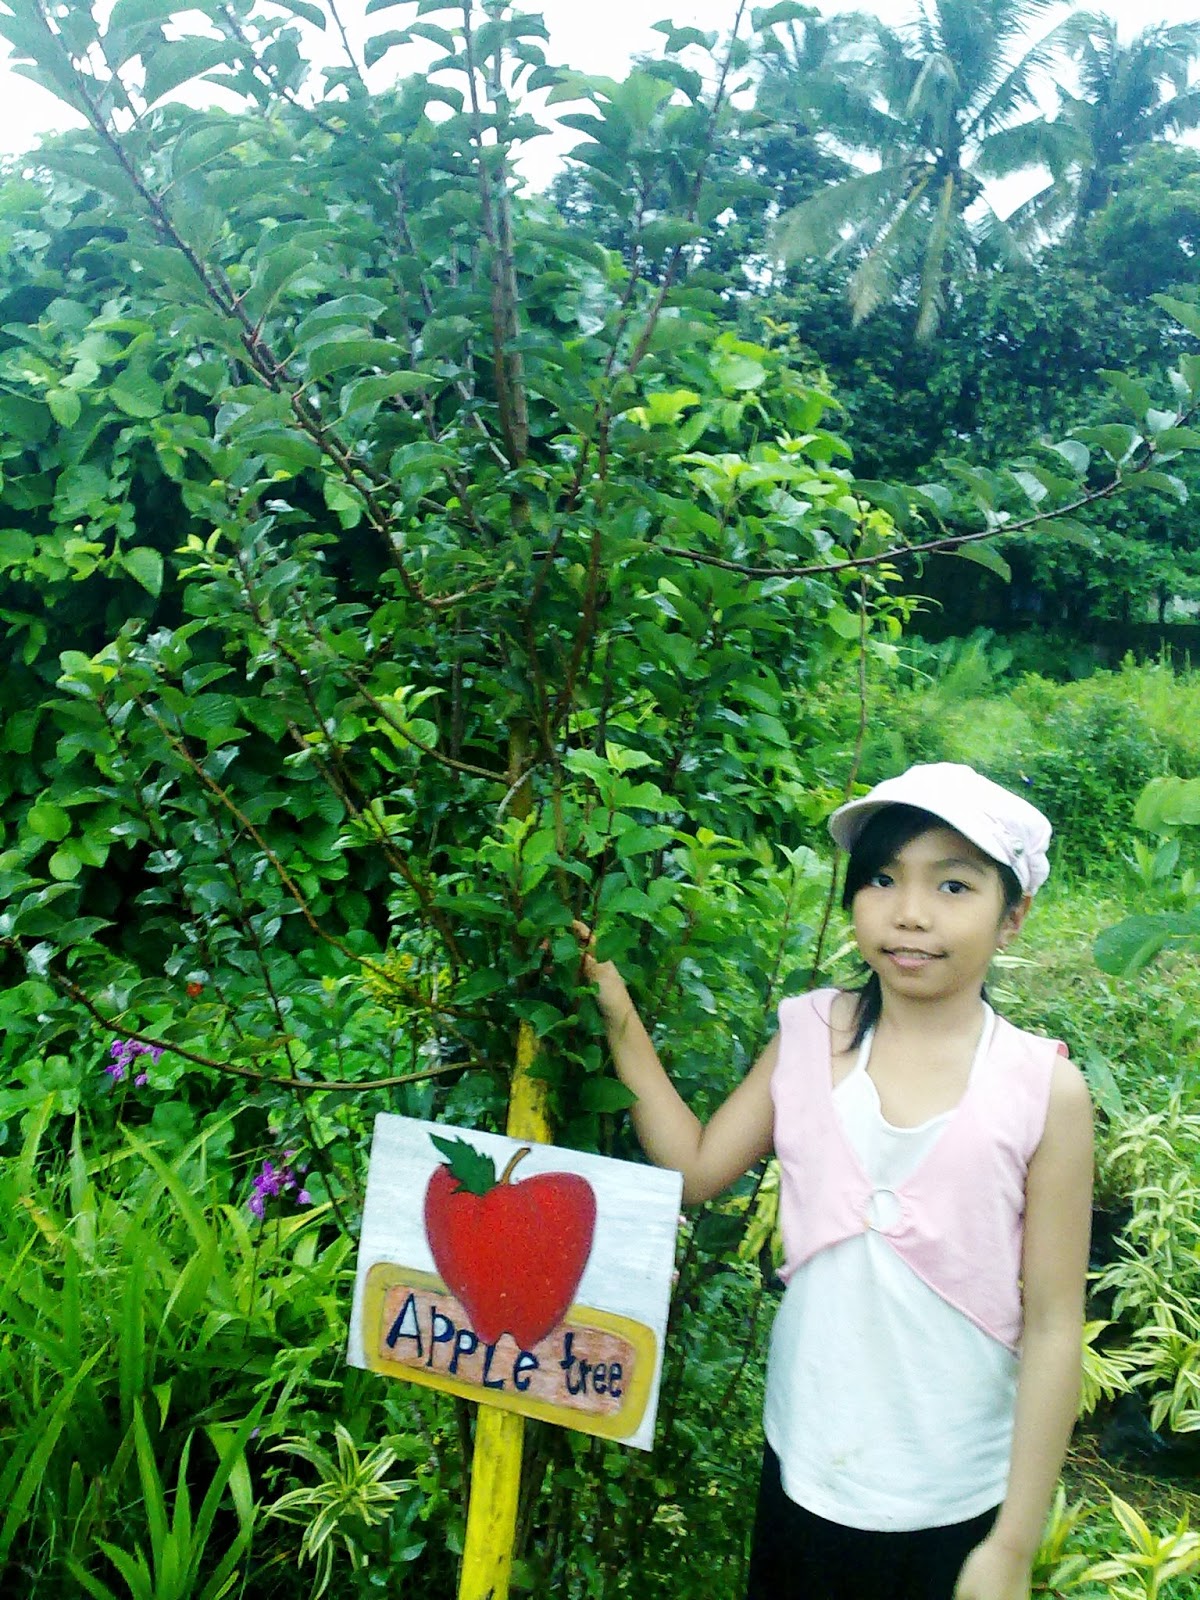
[{"x": 526, "y": 1276}]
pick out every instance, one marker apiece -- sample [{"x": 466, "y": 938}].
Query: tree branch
[
  {"x": 285, "y": 878},
  {"x": 304, "y": 1085},
  {"x": 898, "y": 552}
]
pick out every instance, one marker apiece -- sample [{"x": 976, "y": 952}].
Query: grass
[
  {"x": 1146, "y": 1029},
  {"x": 1159, "y": 1499},
  {"x": 1161, "y": 1502}
]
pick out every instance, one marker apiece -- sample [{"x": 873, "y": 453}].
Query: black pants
[{"x": 798, "y": 1556}]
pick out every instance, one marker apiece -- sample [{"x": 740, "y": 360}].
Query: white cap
[{"x": 998, "y": 822}]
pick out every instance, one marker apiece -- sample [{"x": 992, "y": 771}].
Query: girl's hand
[
  {"x": 587, "y": 944},
  {"x": 611, "y": 992},
  {"x": 994, "y": 1572}
]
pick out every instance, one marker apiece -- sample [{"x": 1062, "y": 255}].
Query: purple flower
[
  {"x": 124, "y": 1053},
  {"x": 271, "y": 1181}
]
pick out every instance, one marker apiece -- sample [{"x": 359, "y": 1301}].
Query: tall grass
[{"x": 155, "y": 1334}]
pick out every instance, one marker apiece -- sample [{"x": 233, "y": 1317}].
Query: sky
[{"x": 593, "y": 38}]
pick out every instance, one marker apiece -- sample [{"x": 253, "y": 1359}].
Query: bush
[{"x": 1082, "y": 751}]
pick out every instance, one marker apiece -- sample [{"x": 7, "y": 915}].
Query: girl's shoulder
[{"x": 1070, "y": 1093}]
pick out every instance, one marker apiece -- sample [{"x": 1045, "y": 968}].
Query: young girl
[{"x": 935, "y": 1199}]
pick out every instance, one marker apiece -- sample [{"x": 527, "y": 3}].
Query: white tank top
[{"x": 888, "y": 1409}]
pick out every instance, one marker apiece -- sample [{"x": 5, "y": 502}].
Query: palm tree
[
  {"x": 1129, "y": 95},
  {"x": 923, "y": 111}
]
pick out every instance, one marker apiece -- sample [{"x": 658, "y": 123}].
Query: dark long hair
[{"x": 876, "y": 847}]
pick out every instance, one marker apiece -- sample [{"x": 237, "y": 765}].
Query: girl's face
[{"x": 930, "y": 921}]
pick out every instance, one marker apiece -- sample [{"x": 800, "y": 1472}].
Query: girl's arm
[
  {"x": 1058, "y": 1202},
  {"x": 710, "y": 1156}
]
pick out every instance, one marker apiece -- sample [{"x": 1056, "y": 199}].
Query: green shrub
[
  {"x": 1081, "y": 750},
  {"x": 1094, "y": 754}
]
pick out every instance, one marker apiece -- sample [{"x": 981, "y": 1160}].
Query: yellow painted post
[{"x": 499, "y": 1435}]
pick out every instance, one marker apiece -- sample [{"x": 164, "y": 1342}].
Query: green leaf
[
  {"x": 48, "y": 821},
  {"x": 179, "y": 62},
  {"x": 275, "y": 271},
  {"x": 681, "y": 38},
  {"x": 1165, "y": 482},
  {"x": 81, "y": 491},
  {"x": 1133, "y": 394},
  {"x": 735, "y": 372},
  {"x": 23, "y": 419},
  {"x": 1178, "y": 439},
  {"x": 65, "y": 864},
  {"x": 1070, "y": 531},
  {"x": 349, "y": 311},
  {"x": 1117, "y": 441},
  {"x": 1077, "y": 455},
  {"x": 1168, "y": 802},
  {"x": 345, "y": 501},
  {"x": 719, "y": 1233},
  {"x": 1189, "y": 373},
  {"x": 136, "y": 393},
  {"x": 785, "y": 11},
  {"x": 1102, "y": 1081},
  {"x": 1034, "y": 489},
  {"x": 169, "y": 269},
  {"x": 362, "y": 397},
  {"x": 986, "y": 555},
  {"x": 889, "y": 498},
  {"x": 1133, "y": 943},
  {"x": 284, "y": 450},
  {"x": 146, "y": 566},
  {"x": 127, "y": 15},
  {"x": 560, "y": 240},
  {"x": 605, "y": 1094},
  {"x": 331, "y": 355},
  {"x": 666, "y": 233},
  {"x": 65, "y": 406},
  {"x": 845, "y": 624},
  {"x": 473, "y": 1171},
  {"x": 442, "y": 37},
  {"x": 937, "y": 496},
  {"x": 16, "y": 547},
  {"x": 378, "y": 45},
  {"x": 443, "y": 337},
  {"x": 195, "y": 150},
  {"x": 308, "y": 12},
  {"x": 664, "y": 407},
  {"x": 1183, "y": 311}
]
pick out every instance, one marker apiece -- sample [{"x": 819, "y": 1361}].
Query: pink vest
[{"x": 959, "y": 1225}]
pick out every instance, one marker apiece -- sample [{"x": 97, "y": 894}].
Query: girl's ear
[{"x": 1010, "y": 927}]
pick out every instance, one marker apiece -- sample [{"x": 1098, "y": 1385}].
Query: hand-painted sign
[{"x": 544, "y": 1291}]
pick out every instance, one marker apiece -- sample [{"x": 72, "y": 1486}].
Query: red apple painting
[{"x": 512, "y": 1252}]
